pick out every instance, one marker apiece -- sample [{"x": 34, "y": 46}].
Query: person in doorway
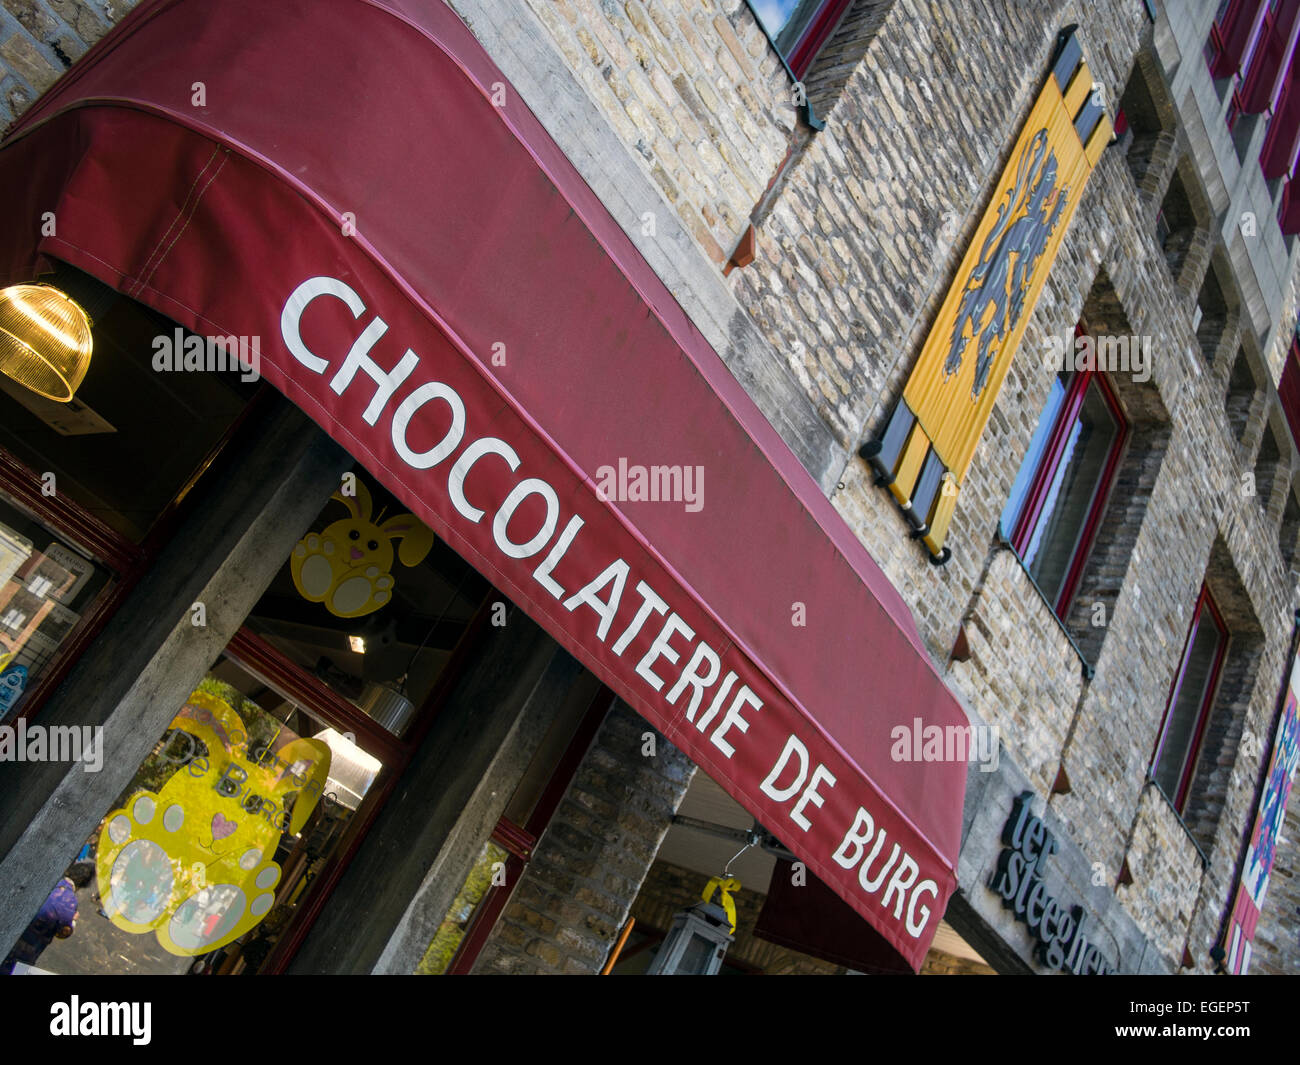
[{"x": 56, "y": 917}]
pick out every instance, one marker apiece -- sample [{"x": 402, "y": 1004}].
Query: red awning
[{"x": 353, "y": 182}]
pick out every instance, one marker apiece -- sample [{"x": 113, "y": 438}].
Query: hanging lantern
[
  {"x": 700, "y": 936},
  {"x": 45, "y": 340}
]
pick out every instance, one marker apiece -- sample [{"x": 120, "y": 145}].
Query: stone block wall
[
  {"x": 695, "y": 90},
  {"x": 40, "y": 39},
  {"x": 1023, "y": 674}
]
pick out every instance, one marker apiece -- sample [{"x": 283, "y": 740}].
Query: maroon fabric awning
[{"x": 354, "y": 182}]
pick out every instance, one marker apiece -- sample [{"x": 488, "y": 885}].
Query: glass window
[
  {"x": 1060, "y": 490},
  {"x": 1033, "y": 459},
  {"x": 50, "y": 590},
  {"x": 799, "y": 28},
  {"x": 1190, "y": 702},
  {"x": 217, "y": 856}
]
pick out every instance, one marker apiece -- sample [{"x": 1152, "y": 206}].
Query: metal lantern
[
  {"x": 45, "y": 340},
  {"x": 696, "y": 944},
  {"x": 700, "y": 936}
]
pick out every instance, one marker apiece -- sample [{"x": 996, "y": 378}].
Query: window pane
[
  {"x": 786, "y": 20},
  {"x": 1033, "y": 458},
  {"x": 211, "y": 850},
  {"x": 1189, "y": 701},
  {"x": 1074, "y": 485},
  {"x": 47, "y": 587},
  {"x": 482, "y": 878}
]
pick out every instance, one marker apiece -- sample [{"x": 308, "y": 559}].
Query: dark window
[
  {"x": 1190, "y": 700},
  {"x": 799, "y": 28},
  {"x": 1056, "y": 502}
]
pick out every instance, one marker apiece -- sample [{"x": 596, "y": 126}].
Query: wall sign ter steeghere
[{"x": 1021, "y": 882}]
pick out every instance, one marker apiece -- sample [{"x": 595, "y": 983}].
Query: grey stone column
[
  {"x": 150, "y": 656},
  {"x": 1256, "y": 425},
  {"x": 1225, "y": 348},
  {"x": 576, "y": 893},
  {"x": 1280, "y": 488}
]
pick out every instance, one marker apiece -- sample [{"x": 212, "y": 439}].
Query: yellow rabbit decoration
[
  {"x": 347, "y": 566},
  {"x": 194, "y": 862}
]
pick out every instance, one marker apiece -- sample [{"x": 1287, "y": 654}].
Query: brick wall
[
  {"x": 856, "y": 242},
  {"x": 692, "y": 88},
  {"x": 40, "y": 39}
]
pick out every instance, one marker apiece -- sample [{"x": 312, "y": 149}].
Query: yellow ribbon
[{"x": 724, "y": 885}]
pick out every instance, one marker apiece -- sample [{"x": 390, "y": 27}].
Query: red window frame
[
  {"x": 1234, "y": 35},
  {"x": 1204, "y": 605},
  {"x": 1036, "y": 497},
  {"x": 814, "y": 37},
  {"x": 1235, "y": 110}
]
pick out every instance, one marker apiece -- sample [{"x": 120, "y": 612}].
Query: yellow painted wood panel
[
  {"x": 979, "y": 310},
  {"x": 943, "y": 511},
  {"x": 1099, "y": 140}
]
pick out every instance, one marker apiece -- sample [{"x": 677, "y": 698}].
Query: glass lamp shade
[{"x": 45, "y": 340}]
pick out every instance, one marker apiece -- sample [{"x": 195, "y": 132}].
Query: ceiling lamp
[{"x": 45, "y": 340}]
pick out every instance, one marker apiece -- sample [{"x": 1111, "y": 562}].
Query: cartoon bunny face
[
  {"x": 363, "y": 545},
  {"x": 194, "y": 862},
  {"x": 347, "y": 566}
]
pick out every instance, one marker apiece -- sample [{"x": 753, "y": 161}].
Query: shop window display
[
  {"x": 218, "y": 854},
  {"x": 212, "y": 847},
  {"x": 47, "y": 587},
  {"x": 370, "y": 604}
]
